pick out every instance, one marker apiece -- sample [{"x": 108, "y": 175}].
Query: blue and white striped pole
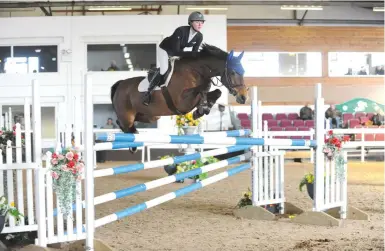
[
  {"x": 167, "y": 161},
  {"x": 213, "y": 140},
  {"x": 164, "y": 181},
  {"x": 170, "y": 196},
  {"x": 222, "y": 134},
  {"x": 112, "y": 146}
]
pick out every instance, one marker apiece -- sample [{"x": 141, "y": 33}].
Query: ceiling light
[
  {"x": 126, "y": 55},
  {"x": 102, "y": 8},
  {"x": 38, "y": 50},
  {"x": 206, "y": 8},
  {"x": 378, "y": 8},
  {"x": 301, "y": 7}
]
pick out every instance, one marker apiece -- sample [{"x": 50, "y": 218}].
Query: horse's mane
[{"x": 211, "y": 50}]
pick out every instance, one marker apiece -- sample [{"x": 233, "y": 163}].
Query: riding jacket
[{"x": 179, "y": 40}]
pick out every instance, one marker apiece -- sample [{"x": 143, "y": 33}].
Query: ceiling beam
[
  {"x": 29, "y": 4},
  {"x": 46, "y": 12},
  {"x": 251, "y": 22}
]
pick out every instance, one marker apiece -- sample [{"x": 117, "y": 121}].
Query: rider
[{"x": 183, "y": 37}]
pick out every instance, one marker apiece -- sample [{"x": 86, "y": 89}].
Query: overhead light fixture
[
  {"x": 206, "y": 8},
  {"x": 378, "y": 8},
  {"x": 106, "y": 8},
  {"x": 301, "y": 7}
]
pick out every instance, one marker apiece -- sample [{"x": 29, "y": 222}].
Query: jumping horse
[{"x": 188, "y": 88}]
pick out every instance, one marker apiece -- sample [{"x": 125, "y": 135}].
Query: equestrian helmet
[{"x": 196, "y": 16}]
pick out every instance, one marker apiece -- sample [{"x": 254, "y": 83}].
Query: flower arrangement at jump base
[
  {"x": 306, "y": 180},
  {"x": 190, "y": 165},
  {"x": 183, "y": 121},
  {"x": 246, "y": 200},
  {"x": 8, "y": 209},
  {"x": 66, "y": 171}
]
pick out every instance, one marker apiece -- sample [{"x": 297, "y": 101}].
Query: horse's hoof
[
  {"x": 196, "y": 115},
  {"x": 133, "y": 150},
  {"x": 206, "y": 110}
]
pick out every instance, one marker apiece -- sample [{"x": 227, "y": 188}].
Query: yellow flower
[{"x": 12, "y": 204}]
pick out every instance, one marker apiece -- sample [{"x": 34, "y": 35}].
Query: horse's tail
[{"x": 113, "y": 90}]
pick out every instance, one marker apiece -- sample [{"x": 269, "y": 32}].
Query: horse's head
[{"x": 232, "y": 77}]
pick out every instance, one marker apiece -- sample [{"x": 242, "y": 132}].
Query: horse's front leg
[
  {"x": 206, "y": 103},
  {"x": 212, "y": 98}
]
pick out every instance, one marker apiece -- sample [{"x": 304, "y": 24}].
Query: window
[
  {"x": 356, "y": 64},
  {"x": 281, "y": 64},
  {"x": 104, "y": 112},
  {"x": 121, "y": 57},
  {"x": 5, "y": 52},
  {"x": 28, "y": 59}
]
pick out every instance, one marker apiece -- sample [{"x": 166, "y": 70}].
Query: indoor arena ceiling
[{"x": 69, "y": 3}]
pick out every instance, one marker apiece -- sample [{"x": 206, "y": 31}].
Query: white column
[
  {"x": 254, "y": 149},
  {"x": 89, "y": 159},
  {"x": 319, "y": 165},
  {"x": 39, "y": 174}
]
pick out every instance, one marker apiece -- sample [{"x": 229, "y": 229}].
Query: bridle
[{"x": 226, "y": 81}]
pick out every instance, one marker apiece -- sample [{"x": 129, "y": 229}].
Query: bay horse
[{"x": 188, "y": 87}]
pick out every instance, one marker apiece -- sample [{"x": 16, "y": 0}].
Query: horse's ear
[
  {"x": 231, "y": 54},
  {"x": 241, "y": 55}
]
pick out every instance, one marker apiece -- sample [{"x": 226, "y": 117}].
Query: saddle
[{"x": 154, "y": 74}]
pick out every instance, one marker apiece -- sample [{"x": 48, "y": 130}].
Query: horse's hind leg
[{"x": 127, "y": 126}]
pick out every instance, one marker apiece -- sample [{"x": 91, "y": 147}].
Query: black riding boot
[{"x": 147, "y": 96}]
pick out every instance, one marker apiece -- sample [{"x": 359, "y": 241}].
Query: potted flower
[
  {"x": 187, "y": 124},
  {"x": 8, "y": 209},
  {"x": 308, "y": 180},
  {"x": 66, "y": 170}
]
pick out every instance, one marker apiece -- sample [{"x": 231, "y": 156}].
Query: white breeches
[{"x": 162, "y": 58}]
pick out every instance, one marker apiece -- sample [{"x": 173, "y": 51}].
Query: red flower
[
  {"x": 71, "y": 164},
  {"x": 76, "y": 156},
  {"x": 346, "y": 138},
  {"x": 54, "y": 155},
  {"x": 330, "y": 132}
]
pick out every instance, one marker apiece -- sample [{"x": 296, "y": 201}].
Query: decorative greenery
[
  {"x": 66, "y": 170},
  {"x": 307, "y": 179},
  {"x": 9, "y": 209},
  {"x": 190, "y": 165},
  {"x": 246, "y": 199}
]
